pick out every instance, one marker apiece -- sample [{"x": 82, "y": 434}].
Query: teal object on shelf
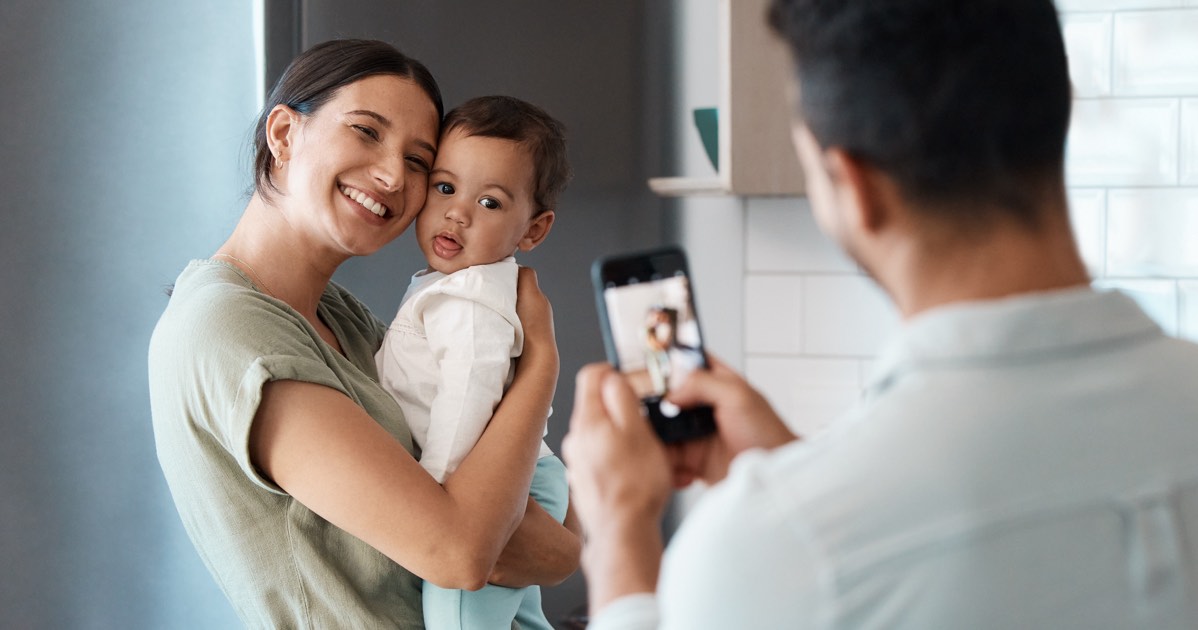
[{"x": 707, "y": 121}]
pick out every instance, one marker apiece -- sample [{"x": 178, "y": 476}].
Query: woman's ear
[
  {"x": 537, "y": 230},
  {"x": 281, "y": 123}
]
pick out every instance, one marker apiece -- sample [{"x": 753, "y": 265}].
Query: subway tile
[
  {"x": 773, "y": 307},
  {"x": 1187, "y": 291},
  {"x": 809, "y": 394},
  {"x": 1110, "y": 5},
  {"x": 1123, "y": 142},
  {"x": 783, "y": 236},
  {"x": 1088, "y": 44},
  {"x": 1156, "y": 53},
  {"x": 1087, "y": 213},
  {"x": 1189, "y": 141},
  {"x": 1152, "y": 232},
  {"x": 1158, "y": 298},
  {"x": 845, "y": 316}
]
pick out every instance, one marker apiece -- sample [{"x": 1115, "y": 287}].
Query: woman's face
[{"x": 356, "y": 171}]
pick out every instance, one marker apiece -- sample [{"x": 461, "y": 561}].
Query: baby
[{"x": 447, "y": 357}]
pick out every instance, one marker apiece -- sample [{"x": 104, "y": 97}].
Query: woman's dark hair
[
  {"x": 960, "y": 101},
  {"x": 315, "y": 76},
  {"x": 512, "y": 119}
]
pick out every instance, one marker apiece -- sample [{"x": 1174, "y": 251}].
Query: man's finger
[
  {"x": 588, "y": 399},
  {"x": 622, "y": 405}
]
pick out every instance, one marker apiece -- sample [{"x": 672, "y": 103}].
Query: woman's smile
[{"x": 365, "y": 200}]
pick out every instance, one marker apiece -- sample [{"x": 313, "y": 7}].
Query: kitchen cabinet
[{"x": 756, "y": 157}]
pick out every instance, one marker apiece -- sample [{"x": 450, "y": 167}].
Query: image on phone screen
[{"x": 656, "y": 336}]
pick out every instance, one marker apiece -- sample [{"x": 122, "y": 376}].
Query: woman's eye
[
  {"x": 418, "y": 163},
  {"x": 367, "y": 131},
  {"x": 443, "y": 188},
  {"x": 489, "y": 203}
]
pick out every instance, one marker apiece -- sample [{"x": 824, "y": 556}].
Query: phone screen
[{"x": 653, "y": 334}]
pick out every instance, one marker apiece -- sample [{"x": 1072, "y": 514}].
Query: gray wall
[
  {"x": 124, "y": 155},
  {"x": 122, "y": 130}
]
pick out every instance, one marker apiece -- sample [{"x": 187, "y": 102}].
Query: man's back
[{"x": 1019, "y": 463}]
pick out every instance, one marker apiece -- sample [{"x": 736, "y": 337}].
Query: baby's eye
[
  {"x": 489, "y": 203},
  {"x": 443, "y": 188}
]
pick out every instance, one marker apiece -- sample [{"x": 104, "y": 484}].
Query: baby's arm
[{"x": 472, "y": 346}]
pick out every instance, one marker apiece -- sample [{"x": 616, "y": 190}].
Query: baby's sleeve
[{"x": 472, "y": 344}]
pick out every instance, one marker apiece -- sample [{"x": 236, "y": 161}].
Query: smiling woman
[{"x": 292, "y": 470}]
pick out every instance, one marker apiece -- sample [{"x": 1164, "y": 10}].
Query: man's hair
[
  {"x": 959, "y": 101},
  {"x": 512, "y": 119}
]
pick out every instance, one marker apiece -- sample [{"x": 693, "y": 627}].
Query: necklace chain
[{"x": 249, "y": 268}]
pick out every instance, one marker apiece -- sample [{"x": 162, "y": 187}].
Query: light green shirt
[{"x": 282, "y": 566}]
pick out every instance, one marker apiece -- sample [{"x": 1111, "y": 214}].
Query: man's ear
[
  {"x": 281, "y": 123},
  {"x": 537, "y": 230},
  {"x": 865, "y": 193}
]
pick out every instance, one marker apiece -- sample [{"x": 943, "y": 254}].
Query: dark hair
[
  {"x": 510, "y": 118},
  {"x": 957, "y": 100},
  {"x": 315, "y": 76}
]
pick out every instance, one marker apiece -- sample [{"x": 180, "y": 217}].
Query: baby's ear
[{"x": 537, "y": 230}]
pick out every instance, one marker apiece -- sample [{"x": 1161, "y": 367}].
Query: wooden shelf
[
  {"x": 687, "y": 186},
  {"x": 757, "y": 157}
]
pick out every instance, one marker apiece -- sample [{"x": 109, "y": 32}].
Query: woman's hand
[
  {"x": 536, "y": 317},
  {"x": 542, "y": 551}
]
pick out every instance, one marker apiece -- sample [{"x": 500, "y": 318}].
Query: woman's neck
[{"x": 284, "y": 263}]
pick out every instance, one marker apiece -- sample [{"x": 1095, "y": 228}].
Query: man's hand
[
  {"x": 744, "y": 420},
  {"x": 620, "y": 481}
]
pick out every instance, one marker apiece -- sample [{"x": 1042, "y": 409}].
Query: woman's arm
[
  {"x": 325, "y": 451},
  {"x": 542, "y": 551}
]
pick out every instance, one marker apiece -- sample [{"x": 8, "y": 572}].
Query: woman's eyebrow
[
  {"x": 385, "y": 123},
  {"x": 375, "y": 115}
]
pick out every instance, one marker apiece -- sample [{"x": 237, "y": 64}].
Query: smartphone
[{"x": 651, "y": 334}]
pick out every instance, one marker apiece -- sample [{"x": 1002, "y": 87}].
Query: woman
[{"x": 292, "y": 470}]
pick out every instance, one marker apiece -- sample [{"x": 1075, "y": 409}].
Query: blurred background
[{"x": 124, "y": 141}]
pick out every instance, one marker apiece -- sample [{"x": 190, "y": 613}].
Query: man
[{"x": 1025, "y": 453}]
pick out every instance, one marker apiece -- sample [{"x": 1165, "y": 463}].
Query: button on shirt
[{"x": 1030, "y": 462}]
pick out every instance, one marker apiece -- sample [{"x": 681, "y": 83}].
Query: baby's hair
[{"x": 512, "y": 119}]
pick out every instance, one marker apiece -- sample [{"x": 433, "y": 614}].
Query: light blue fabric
[{"x": 493, "y": 606}]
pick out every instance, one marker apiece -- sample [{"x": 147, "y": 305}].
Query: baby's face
[{"x": 479, "y": 204}]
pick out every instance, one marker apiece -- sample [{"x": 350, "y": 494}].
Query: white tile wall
[
  {"x": 812, "y": 322},
  {"x": 1189, "y": 140},
  {"x": 782, "y": 236},
  {"x": 1153, "y": 232},
  {"x": 845, "y": 316},
  {"x": 1123, "y": 142},
  {"x": 1088, "y": 44},
  {"x": 773, "y": 314},
  {"x": 809, "y": 394},
  {"x": 1155, "y": 53},
  {"x": 1111, "y": 5}
]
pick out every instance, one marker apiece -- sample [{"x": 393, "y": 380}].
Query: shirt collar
[{"x": 1008, "y": 328}]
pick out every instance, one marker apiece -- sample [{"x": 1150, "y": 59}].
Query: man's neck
[{"x": 923, "y": 273}]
